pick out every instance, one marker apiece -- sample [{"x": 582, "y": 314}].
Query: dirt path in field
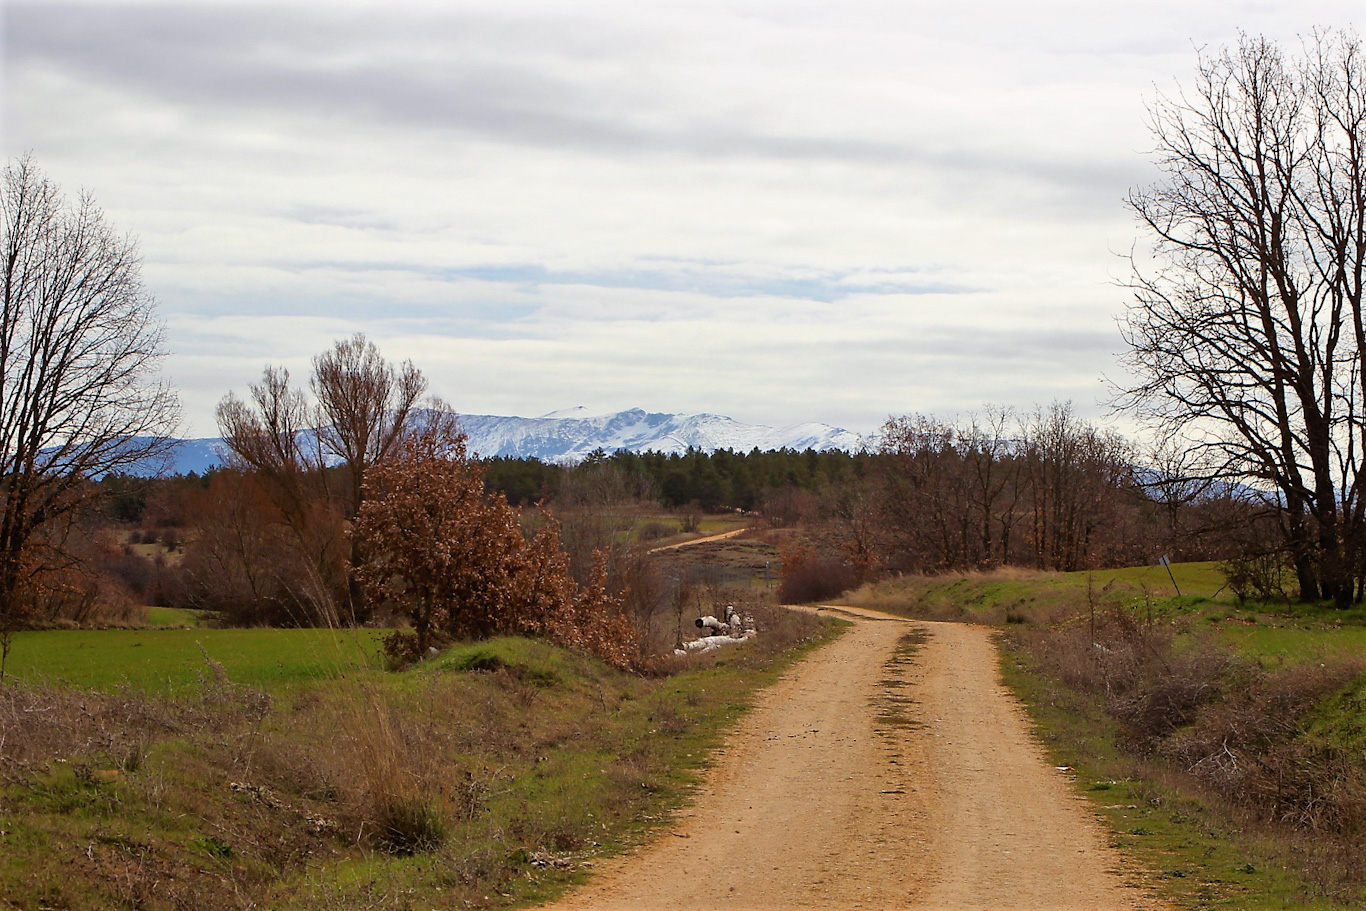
[
  {"x": 875, "y": 777},
  {"x": 718, "y": 537}
]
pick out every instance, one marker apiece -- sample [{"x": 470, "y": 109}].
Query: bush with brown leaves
[{"x": 452, "y": 558}]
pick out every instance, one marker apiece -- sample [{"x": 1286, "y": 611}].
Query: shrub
[
  {"x": 1253, "y": 746},
  {"x": 1242, "y": 732},
  {"x": 1259, "y": 576},
  {"x": 809, "y": 576},
  {"x": 452, "y": 558},
  {"x": 654, "y": 530},
  {"x": 409, "y": 825}
]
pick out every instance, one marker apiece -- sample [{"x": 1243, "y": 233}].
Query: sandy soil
[
  {"x": 717, "y": 537},
  {"x": 873, "y": 778}
]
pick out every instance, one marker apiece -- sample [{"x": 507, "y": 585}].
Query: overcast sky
[{"x": 779, "y": 211}]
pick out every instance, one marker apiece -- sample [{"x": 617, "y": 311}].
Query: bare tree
[
  {"x": 268, "y": 435},
  {"x": 365, "y": 405},
  {"x": 995, "y": 485},
  {"x": 1175, "y": 479},
  {"x": 1076, "y": 477},
  {"x": 271, "y": 436},
  {"x": 1248, "y": 337},
  {"x": 1046, "y": 489},
  {"x": 79, "y": 349},
  {"x": 926, "y": 492}
]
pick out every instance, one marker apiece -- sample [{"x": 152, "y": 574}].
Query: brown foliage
[
  {"x": 73, "y": 582},
  {"x": 810, "y": 575},
  {"x": 454, "y": 560},
  {"x": 252, "y": 566}
]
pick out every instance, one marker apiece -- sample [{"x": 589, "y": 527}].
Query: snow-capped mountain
[{"x": 568, "y": 436}]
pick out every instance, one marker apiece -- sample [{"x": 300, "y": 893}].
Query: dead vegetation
[{"x": 1273, "y": 752}]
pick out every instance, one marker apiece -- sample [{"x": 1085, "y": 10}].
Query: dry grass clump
[
  {"x": 391, "y": 767},
  {"x": 42, "y": 724},
  {"x": 781, "y": 629},
  {"x": 1244, "y": 735}
]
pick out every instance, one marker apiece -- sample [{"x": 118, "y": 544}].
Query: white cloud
[{"x": 779, "y": 211}]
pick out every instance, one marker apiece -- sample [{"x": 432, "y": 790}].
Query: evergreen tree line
[{"x": 710, "y": 481}]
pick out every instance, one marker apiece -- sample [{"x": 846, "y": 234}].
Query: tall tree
[
  {"x": 365, "y": 405},
  {"x": 80, "y": 346},
  {"x": 1247, "y": 333},
  {"x": 268, "y": 434}
]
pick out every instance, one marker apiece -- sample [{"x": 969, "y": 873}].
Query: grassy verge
[
  {"x": 491, "y": 776},
  {"x": 1204, "y": 855},
  {"x": 1018, "y": 595},
  {"x": 1223, "y": 743}
]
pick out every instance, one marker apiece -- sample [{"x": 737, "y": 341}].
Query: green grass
[
  {"x": 707, "y": 526},
  {"x": 719, "y": 524},
  {"x": 1290, "y": 645},
  {"x": 170, "y": 661},
  {"x": 1195, "y": 580},
  {"x": 174, "y": 617}
]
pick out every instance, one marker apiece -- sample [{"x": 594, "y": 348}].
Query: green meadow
[{"x": 177, "y": 661}]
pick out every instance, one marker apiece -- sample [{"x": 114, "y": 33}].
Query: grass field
[
  {"x": 995, "y": 596},
  {"x": 1275, "y": 633},
  {"x": 715, "y": 524},
  {"x": 174, "y": 617},
  {"x": 175, "y": 661}
]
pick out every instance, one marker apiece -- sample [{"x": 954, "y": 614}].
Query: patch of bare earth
[{"x": 890, "y": 770}]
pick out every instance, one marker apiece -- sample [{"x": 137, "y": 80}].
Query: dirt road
[
  {"x": 878, "y": 775},
  {"x": 689, "y": 543}
]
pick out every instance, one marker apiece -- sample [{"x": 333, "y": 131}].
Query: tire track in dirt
[{"x": 877, "y": 775}]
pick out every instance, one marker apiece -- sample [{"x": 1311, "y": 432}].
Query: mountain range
[{"x": 571, "y": 435}]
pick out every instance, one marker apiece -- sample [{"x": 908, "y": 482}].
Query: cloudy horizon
[{"x": 780, "y": 212}]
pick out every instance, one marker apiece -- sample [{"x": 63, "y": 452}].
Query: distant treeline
[
  {"x": 723, "y": 479},
  {"x": 1042, "y": 489}
]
